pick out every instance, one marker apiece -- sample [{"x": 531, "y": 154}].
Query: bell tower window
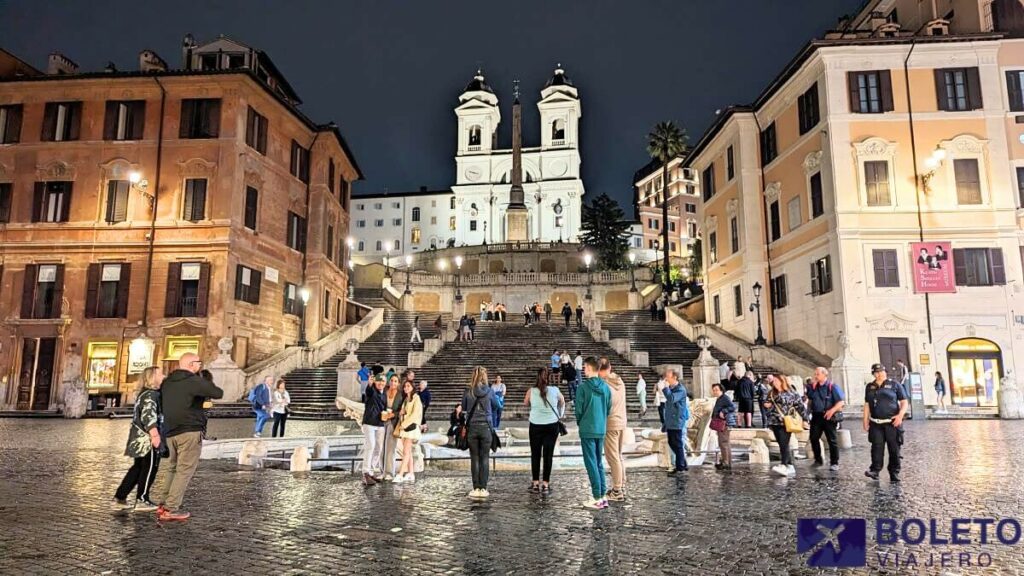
[
  {"x": 474, "y": 136},
  {"x": 558, "y": 131}
]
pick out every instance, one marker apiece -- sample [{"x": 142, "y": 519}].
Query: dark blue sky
[{"x": 389, "y": 71}]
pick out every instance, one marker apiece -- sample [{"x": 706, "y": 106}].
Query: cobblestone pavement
[{"x": 56, "y": 479}]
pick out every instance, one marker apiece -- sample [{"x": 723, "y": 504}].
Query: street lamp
[
  {"x": 387, "y": 259},
  {"x": 759, "y": 341},
  {"x": 632, "y": 273},
  {"x": 458, "y": 279},
  {"x": 351, "y": 286},
  {"x": 408, "y": 269},
  {"x": 587, "y": 259},
  {"x": 304, "y": 295},
  {"x": 351, "y": 243}
]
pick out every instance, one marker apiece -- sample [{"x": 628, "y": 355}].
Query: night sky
[{"x": 389, "y": 72}]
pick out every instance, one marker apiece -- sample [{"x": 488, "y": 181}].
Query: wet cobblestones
[{"x": 56, "y": 480}]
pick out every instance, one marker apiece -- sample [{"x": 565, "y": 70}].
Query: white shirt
[
  {"x": 641, "y": 386},
  {"x": 659, "y": 394},
  {"x": 565, "y": 359},
  {"x": 280, "y": 401},
  {"x": 578, "y": 363},
  {"x": 723, "y": 371}
]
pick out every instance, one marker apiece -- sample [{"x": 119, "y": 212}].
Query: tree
[
  {"x": 666, "y": 142},
  {"x": 697, "y": 261},
  {"x": 605, "y": 231}
]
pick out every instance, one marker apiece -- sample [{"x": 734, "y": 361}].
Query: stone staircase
[
  {"x": 313, "y": 390},
  {"x": 372, "y": 297},
  {"x": 516, "y": 352}
]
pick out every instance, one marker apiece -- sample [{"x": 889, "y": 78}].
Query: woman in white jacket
[{"x": 279, "y": 402}]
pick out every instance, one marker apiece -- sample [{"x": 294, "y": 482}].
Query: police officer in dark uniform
[{"x": 885, "y": 405}]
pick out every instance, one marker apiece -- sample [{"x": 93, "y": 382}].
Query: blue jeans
[
  {"x": 593, "y": 461},
  {"x": 262, "y": 416},
  {"x": 675, "y": 442},
  {"x": 497, "y": 416}
]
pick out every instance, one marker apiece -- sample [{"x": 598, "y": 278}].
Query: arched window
[
  {"x": 451, "y": 202},
  {"x": 558, "y": 129},
  {"x": 474, "y": 135},
  {"x": 416, "y": 214}
]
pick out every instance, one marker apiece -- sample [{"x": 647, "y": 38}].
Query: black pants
[
  {"x": 654, "y": 314},
  {"x": 661, "y": 413},
  {"x": 567, "y": 319},
  {"x": 884, "y": 436},
  {"x": 547, "y": 316},
  {"x": 542, "y": 445},
  {"x": 818, "y": 425},
  {"x": 140, "y": 476},
  {"x": 579, "y": 321},
  {"x": 782, "y": 437},
  {"x": 279, "y": 420},
  {"x": 479, "y": 437}
]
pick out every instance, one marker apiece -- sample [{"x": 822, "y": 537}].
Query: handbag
[
  {"x": 792, "y": 421},
  {"x": 495, "y": 441},
  {"x": 718, "y": 424},
  {"x": 462, "y": 431},
  {"x": 562, "y": 430}
]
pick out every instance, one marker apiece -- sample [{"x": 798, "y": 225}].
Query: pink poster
[{"x": 932, "y": 263}]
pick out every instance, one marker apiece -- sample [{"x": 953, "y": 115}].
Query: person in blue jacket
[
  {"x": 260, "y": 398},
  {"x": 677, "y": 412},
  {"x": 593, "y": 405}
]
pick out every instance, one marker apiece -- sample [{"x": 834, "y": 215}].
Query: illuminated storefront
[
  {"x": 975, "y": 369},
  {"x": 101, "y": 371},
  {"x": 175, "y": 346}
]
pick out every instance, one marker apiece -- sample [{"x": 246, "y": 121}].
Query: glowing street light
[{"x": 304, "y": 295}]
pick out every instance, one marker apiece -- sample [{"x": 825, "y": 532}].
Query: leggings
[
  {"x": 280, "y": 418},
  {"x": 140, "y": 476},
  {"x": 782, "y": 437},
  {"x": 542, "y": 445}
]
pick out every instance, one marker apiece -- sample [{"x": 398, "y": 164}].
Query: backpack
[{"x": 253, "y": 398}]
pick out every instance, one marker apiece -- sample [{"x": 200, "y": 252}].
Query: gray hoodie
[{"x": 483, "y": 412}]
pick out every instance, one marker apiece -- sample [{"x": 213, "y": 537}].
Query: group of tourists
[
  {"x": 467, "y": 328},
  {"x": 492, "y": 312},
  {"x": 270, "y": 399},
  {"x": 567, "y": 370},
  {"x": 394, "y": 413},
  {"x": 165, "y": 438}
]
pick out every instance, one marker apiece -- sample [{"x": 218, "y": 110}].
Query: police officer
[{"x": 885, "y": 405}]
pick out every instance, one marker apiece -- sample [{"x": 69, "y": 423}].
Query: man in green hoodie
[{"x": 593, "y": 405}]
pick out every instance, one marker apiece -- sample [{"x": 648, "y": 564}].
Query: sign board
[
  {"x": 270, "y": 274},
  {"x": 190, "y": 271},
  {"x": 140, "y": 355},
  {"x": 932, "y": 265},
  {"x": 924, "y": 359}
]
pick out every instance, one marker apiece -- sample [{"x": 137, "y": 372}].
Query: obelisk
[{"x": 515, "y": 216}]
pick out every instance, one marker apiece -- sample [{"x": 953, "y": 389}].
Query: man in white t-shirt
[
  {"x": 578, "y": 364},
  {"x": 659, "y": 398}
]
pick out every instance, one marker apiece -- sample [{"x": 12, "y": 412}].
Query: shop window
[{"x": 102, "y": 368}]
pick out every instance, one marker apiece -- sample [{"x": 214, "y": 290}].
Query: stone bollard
[
  {"x": 759, "y": 452},
  {"x": 844, "y": 438},
  {"x": 252, "y": 453},
  {"x": 300, "y": 460},
  {"x": 417, "y": 457},
  {"x": 321, "y": 449}
]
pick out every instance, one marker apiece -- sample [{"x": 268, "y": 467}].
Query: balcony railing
[
  {"x": 560, "y": 142},
  {"x": 643, "y": 274},
  {"x": 189, "y": 306}
]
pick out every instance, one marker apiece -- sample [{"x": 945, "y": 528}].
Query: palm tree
[{"x": 665, "y": 143}]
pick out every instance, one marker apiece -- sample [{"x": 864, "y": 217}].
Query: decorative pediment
[
  {"x": 254, "y": 179},
  {"x": 731, "y": 206},
  {"x": 875, "y": 148},
  {"x": 197, "y": 168},
  {"x": 711, "y": 223},
  {"x": 964, "y": 144},
  {"x": 891, "y": 322},
  {"x": 812, "y": 162},
  {"x": 55, "y": 170},
  {"x": 117, "y": 169},
  {"x": 772, "y": 191}
]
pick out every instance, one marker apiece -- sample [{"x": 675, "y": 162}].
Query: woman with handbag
[
  {"x": 785, "y": 417},
  {"x": 723, "y": 419},
  {"x": 478, "y": 403},
  {"x": 144, "y": 444},
  {"x": 546, "y": 406},
  {"x": 409, "y": 431},
  {"x": 279, "y": 402},
  {"x": 394, "y": 400}
]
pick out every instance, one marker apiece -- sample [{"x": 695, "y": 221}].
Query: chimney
[
  {"x": 59, "y": 64},
  {"x": 150, "y": 61},
  {"x": 187, "y": 44},
  {"x": 877, "y": 19}
]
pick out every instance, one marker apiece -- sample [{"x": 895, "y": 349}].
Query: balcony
[
  {"x": 559, "y": 142},
  {"x": 188, "y": 307}
]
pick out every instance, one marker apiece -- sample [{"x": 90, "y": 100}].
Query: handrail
[{"x": 643, "y": 274}]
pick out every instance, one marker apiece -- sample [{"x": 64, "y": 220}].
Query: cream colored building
[
  {"x": 897, "y": 128},
  {"x": 648, "y": 191}
]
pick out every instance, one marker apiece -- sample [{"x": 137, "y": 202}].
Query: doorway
[
  {"x": 975, "y": 369},
  {"x": 892, "y": 349},
  {"x": 36, "y": 378}
]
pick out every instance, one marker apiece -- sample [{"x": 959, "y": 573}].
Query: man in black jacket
[
  {"x": 184, "y": 420},
  {"x": 374, "y": 403}
]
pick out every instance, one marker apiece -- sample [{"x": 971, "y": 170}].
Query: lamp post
[
  {"x": 351, "y": 286},
  {"x": 387, "y": 259},
  {"x": 458, "y": 279},
  {"x": 304, "y": 295},
  {"x": 632, "y": 273},
  {"x": 759, "y": 341},
  {"x": 408, "y": 270},
  {"x": 587, "y": 259},
  {"x": 141, "y": 185}
]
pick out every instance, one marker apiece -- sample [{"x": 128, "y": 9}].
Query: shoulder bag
[
  {"x": 562, "y": 431},
  {"x": 838, "y": 415},
  {"x": 792, "y": 421},
  {"x": 462, "y": 431}
]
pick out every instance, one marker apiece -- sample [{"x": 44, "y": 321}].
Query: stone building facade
[{"x": 154, "y": 212}]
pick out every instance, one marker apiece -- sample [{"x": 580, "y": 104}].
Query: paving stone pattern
[{"x": 56, "y": 479}]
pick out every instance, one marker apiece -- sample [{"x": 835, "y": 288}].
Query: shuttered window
[
  {"x": 958, "y": 89},
  {"x": 188, "y": 289},
  {"x": 296, "y": 232},
  {"x": 1015, "y": 90},
  {"x": 5, "y": 202},
  {"x": 737, "y": 300},
  {"x": 821, "y": 276},
  {"x": 817, "y": 201},
  {"x": 808, "y": 109},
  {"x": 194, "y": 207},
  {"x": 716, "y": 305},
  {"x": 779, "y": 293},
  {"x": 62, "y": 121},
  {"x": 247, "y": 284},
  {"x": 968, "y": 181},
  {"x": 291, "y": 299},
  {"x": 10, "y": 123},
  {"x": 252, "y": 202},
  {"x": 256, "y": 131},
  {"x": 979, "y": 266},
  {"x": 299, "y": 165},
  {"x": 124, "y": 120},
  {"x": 200, "y": 118},
  {"x": 876, "y": 183},
  {"x": 734, "y": 235},
  {"x": 707, "y": 182},
  {"x": 775, "y": 220},
  {"x": 107, "y": 289},
  {"x": 51, "y": 201},
  {"x": 330, "y": 174},
  {"x": 42, "y": 291},
  {"x": 870, "y": 91},
  {"x": 887, "y": 274},
  {"x": 769, "y": 145},
  {"x": 730, "y": 164},
  {"x": 713, "y": 247},
  {"x": 117, "y": 201}
]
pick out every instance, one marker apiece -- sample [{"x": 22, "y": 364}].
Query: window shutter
[
  {"x": 250, "y": 128},
  {"x": 290, "y": 233},
  {"x": 121, "y": 206},
  {"x": 173, "y": 285},
  {"x": 815, "y": 288},
  {"x": 203, "y": 298},
  {"x": 261, "y": 143},
  {"x": 138, "y": 113},
  {"x": 123, "y": 287},
  {"x": 959, "y": 267},
  {"x": 974, "y": 99},
  {"x": 995, "y": 262},
  {"x": 330, "y": 174},
  {"x": 75, "y": 120},
  {"x": 13, "y": 135},
  {"x": 213, "y": 118},
  {"x": 37, "y": 202},
  {"x": 58, "y": 291},
  {"x": 1014, "y": 92},
  {"x": 851, "y": 84},
  {"x": 110, "y": 121},
  {"x": 238, "y": 281},
  {"x": 188, "y": 111},
  {"x": 65, "y": 209},
  {"x": 254, "y": 287},
  {"x": 284, "y": 307},
  {"x": 28, "y": 291},
  {"x": 878, "y": 263},
  {"x": 92, "y": 287},
  {"x": 49, "y": 123},
  {"x": 885, "y": 90},
  {"x": 940, "y": 89},
  {"x": 303, "y": 227},
  {"x": 186, "y": 211},
  {"x": 199, "y": 200}
]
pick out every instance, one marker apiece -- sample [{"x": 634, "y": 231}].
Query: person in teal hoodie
[
  {"x": 593, "y": 405},
  {"x": 677, "y": 412}
]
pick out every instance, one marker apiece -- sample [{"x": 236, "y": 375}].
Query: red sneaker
[
  {"x": 160, "y": 510},
  {"x": 168, "y": 516}
]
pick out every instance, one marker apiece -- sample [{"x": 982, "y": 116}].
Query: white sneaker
[
  {"x": 473, "y": 494},
  {"x": 780, "y": 470},
  {"x": 388, "y": 478},
  {"x": 593, "y": 504},
  {"x": 398, "y": 479},
  {"x": 484, "y": 493},
  {"x": 791, "y": 470},
  {"x": 410, "y": 478}
]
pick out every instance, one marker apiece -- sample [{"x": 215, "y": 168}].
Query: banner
[{"x": 932, "y": 264}]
